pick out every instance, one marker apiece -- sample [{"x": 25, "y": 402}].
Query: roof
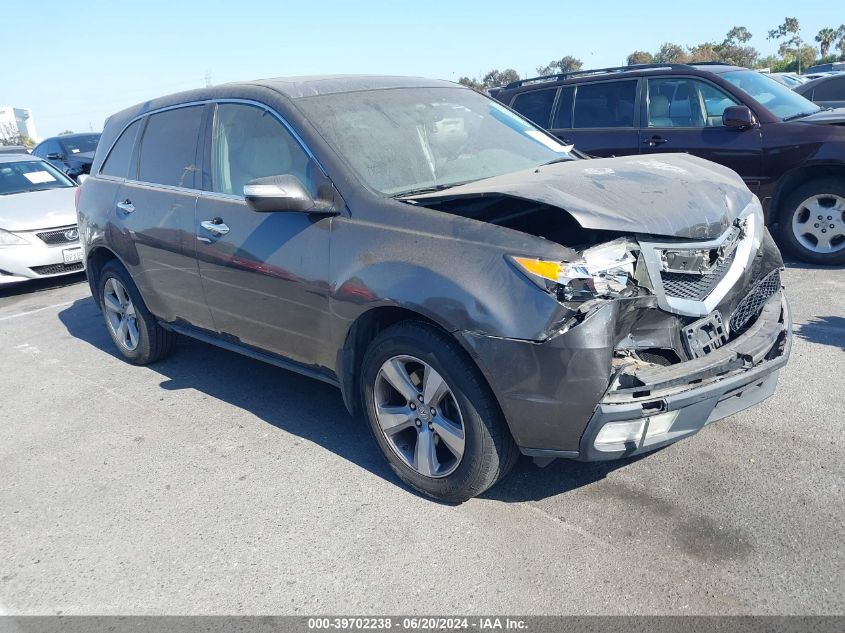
[
  {"x": 74, "y": 135},
  {"x": 17, "y": 158},
  {"x": 297, "y": 87}
]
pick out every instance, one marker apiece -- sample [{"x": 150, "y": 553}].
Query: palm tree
[{"x": 825, "y": 38}]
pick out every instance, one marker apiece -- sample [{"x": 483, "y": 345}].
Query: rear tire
[
  {"x": 442, "y": 430},
  {"x": 133, "y": 329},
  {"x": 812, "y": 221}
]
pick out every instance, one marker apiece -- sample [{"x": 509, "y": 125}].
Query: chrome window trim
[
  {"x": 202, "y": 102},
  {"x": 743, "y": 255}
]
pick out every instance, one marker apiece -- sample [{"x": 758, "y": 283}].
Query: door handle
[
  {"x": 126, "y": 206},
  {"x": 654, "y": 141},
  {"x": 216, "y": 227}
]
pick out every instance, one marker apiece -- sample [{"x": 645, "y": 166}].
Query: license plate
[
  {"x": 705, "y": 335},
  {"x": 72, "y": 255}
]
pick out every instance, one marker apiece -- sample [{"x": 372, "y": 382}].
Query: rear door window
[
  {"x": 563, "y": 112},
  {"x": 536, "y": 105},
  {"x": 117, "y": 163},
  {"x": 169, "y": 147},
  {"x": 830, "y": 90},
  {"x": 608, "y": 104}
]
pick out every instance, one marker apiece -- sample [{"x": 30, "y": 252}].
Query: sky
[{"x": 75, "y": 63}]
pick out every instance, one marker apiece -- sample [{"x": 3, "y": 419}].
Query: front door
[
  {"x": 684, "y": 114},
  {"x": 265, "y": 274}
]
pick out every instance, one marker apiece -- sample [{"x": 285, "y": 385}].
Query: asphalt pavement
[{"x": 212, "y": 483}]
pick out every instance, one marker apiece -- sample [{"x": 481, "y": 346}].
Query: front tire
[
  {"x": 135, "y": 332},
  {"x": 812, "y": 221},
  {"x": 433, "y": 415}
]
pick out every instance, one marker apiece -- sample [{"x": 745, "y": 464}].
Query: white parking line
[{"x": 52, "y": 307}]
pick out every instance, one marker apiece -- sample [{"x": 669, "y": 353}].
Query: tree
[
  {"x": 499, "y": 78},
  {"x": 10, "y": 135},
  {"x": 640, "y": 57},
  {"x": 670, "y": 54},
  {"x": 825, "y": 38},
  {"x": 706, "y": 52},
  {"x": 790, "y": 32},
  {"x": 840, "y": 39},
  {"x": 65, "y": 132},
  {"x": 472, "y": 83},
  {"x": 737, "y": 35},
  {"x": 565, "y": 64}
]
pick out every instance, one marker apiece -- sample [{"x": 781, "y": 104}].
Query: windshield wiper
[
  {"x": 559, "y": 159},
  {"x": 429, "y": 189},
  {"x": 800, "y": 115}
]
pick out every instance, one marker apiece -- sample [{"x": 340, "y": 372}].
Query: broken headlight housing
[{"x": 603, "y": 271}]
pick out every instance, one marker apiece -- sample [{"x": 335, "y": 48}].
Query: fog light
[
  {"x": 660, "y": 423},
  {"x": 614, "y": 435}
]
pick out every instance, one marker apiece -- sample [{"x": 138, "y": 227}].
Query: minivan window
[
  {"x": 605, "y": 104},
  {"x": 563, "y": 114},
  {"x": 249, "y": 143},
  {"x": 407, "y": 139},
  {"x": 536, "y": 105},
  {"x": 169, "y": 147},
  {"x": 117, "y": 163},
  {"x": 777, "y": 98}
]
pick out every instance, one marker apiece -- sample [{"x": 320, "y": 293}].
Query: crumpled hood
[
  {"x": 38, "y": 209},
  {"x": 674, "y": 195},
  {"x": 837, "y": 115}
]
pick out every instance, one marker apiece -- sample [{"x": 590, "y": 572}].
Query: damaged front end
[{"x": 658, "y": 338}]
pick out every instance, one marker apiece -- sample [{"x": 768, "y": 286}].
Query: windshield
[
  {"x": 777, "y": 98},
  {"x": 81, "y": 144},
  {"x": 30, "y": 175},
  {"x": 404, "y": 140}
]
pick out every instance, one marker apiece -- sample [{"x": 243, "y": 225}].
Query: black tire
[
  {"x": 792, "y": 205},
  {"x": 153, "y": 342},
  {"x": 489, "y": 450}
]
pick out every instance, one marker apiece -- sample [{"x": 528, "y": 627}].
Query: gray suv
[{"x": 470, "y": 285}]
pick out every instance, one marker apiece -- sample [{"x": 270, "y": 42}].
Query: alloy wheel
[
  {"x": 819, "y": 223},
  {"x": 120, "y": 314},
  {"x": 419, "y": 416}
]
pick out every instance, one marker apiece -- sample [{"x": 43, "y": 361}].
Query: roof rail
[{"x": 598, "y": 71}]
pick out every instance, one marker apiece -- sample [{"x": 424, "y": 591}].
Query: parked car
[
  {"x": 13, "y": 149},
  {"x": 827, "y": 92},
  {"x": 790, "y": 80},
  {"x": 38, "y": 232},
  {"x": 788, "y": 151},
  {"x": 72, "y": 153},
  {"x": 826, "y": 68},
  {"x": 467, "y": 283}
]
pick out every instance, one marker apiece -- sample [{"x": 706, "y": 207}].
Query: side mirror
[
  {"x": 278, "y": 193},
  {"x": 53, "y": 156},
  {"x": 81, "y": 178},
  {"x": 738, "y": 118}
]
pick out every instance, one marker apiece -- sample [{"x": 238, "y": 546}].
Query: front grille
[
  {"x": 693, "y": 285},
  {"x": 754, "y": 301},
  {"x": 60, "y": 236},
  {"x": 55, "y": 269}
]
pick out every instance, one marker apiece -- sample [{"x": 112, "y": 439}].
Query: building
[{"x": 17, "y": 122}]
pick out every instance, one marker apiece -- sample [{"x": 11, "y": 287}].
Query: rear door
[
  {"x": 265, "y": 274},
  {"x": 599, "y": 118},
  {"x": 684, "y": 114},
  {"x": 154, "y": 216}
]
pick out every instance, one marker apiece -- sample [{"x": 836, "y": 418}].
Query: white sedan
[{"x": 38, "y": 232}]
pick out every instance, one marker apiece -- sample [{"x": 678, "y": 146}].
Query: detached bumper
[{"x": 668, "y": 404}]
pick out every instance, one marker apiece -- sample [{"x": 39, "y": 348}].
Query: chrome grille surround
[
  {"x": 703, "y": 291},
  {"x": 63, "y": 235}
]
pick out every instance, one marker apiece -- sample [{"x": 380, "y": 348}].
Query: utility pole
[{"x": 207, "y": 80}]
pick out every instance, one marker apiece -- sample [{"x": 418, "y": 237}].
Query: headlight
[
  {"x": 604, "y": 271},
  {"x": 10, "y": 239}
]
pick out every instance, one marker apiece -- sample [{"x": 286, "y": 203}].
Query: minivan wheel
[
  {"x": 812, "y": 221},
  {"x": 135, "y": 332},
  {"x": 433, "y": 415}
]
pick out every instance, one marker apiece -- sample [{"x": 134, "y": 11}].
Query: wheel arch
[
  {"x": 799, "y": 176},
  {"x": 95, "y": 260}
]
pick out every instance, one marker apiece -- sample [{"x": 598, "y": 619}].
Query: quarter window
[
  {"x": 605, "y": 104},
  {"x": 536, "y": 105},
  {"x": 169, "y": 147},
  {"x": 117, "y": 163},
  {"x": 249, "y": 143}
]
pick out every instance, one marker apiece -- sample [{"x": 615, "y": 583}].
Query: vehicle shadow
[
  {"x": 826, "y": 330},
  {"x": 308, "y": 408},
  {"x": 39, "y": 285}
]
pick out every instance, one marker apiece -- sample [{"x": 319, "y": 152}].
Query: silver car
[{"x": 38, "y": 232}]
